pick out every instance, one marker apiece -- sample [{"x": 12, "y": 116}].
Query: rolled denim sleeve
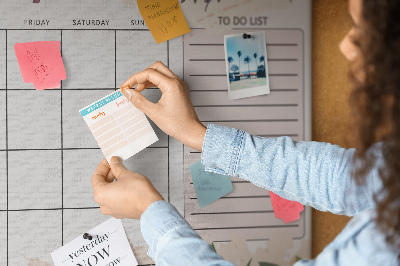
[
  {"x": 172, "y": 241},
  {"x": 313, "y": 173}
]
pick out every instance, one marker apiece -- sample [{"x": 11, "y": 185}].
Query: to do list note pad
[{"x": 118, "y": 126}]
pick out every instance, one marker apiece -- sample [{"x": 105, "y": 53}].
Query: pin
[
  {"x": 125, "y": 88},
  {"x": 246, "y": 36},
  {"x": 87, "y": 236}
]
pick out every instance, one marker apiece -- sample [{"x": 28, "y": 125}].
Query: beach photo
[{"x": 246, "y": 64}]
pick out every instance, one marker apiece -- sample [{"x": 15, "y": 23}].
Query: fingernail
[
  {"x": 124, "y": 88},
  {"x": 128, "y": 94},
  {"x": 115, "y": 160}
]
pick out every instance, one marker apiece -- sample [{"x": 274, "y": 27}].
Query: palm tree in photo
[
  {"x": 234, "y": 68},
  {"x": 247, "y": 60},
  {"x": 239, "y": 53},
  {"x": 262, "y": 59},
  {"x": 230, "y": 60},
  {"x": 255, "y": 60}
]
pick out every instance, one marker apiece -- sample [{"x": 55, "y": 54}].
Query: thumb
[
  {"x": 139, "y": 101},
  {"x": 117, "y": 167},
  {"x": 99, "y": 176}
]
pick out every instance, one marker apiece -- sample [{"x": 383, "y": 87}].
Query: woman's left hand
[{"x": 128, "y": 197}]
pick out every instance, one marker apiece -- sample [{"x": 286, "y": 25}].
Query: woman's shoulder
[{"x": 364, "y": 240}]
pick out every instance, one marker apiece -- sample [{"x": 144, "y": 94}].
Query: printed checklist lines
[
  {"x": 247, "y": 210},
  {"x": 119, "y": 128}
]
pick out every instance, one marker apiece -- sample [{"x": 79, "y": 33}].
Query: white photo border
[{"x": 248, "y": 92}]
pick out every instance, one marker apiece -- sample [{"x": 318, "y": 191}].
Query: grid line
[
  {"x": 62, "y": 158},
  {"x": 71, "y": 149},
  {"x": 54, "y": 209},
  {"x": 73, "y": 89},
  {"x": 167, "y": 135},
  {"x": 115, "y": 59},
  {"x": 7, "y": 134}
]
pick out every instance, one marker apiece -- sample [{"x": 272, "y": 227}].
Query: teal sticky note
[{"x": 209, "y": 186}]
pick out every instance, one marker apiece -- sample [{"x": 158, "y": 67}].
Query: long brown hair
[{"x": 375, "y": 103}]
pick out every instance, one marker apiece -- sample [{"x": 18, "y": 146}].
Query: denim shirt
[{"x": 312, "y": 173}]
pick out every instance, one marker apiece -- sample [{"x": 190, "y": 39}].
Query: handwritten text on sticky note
[
  {"x": 41, "y": 63},
  {"x": 209, "y": 186},
  {"x": 164, "y": 18},
  {"x": 288, "y": 211}
]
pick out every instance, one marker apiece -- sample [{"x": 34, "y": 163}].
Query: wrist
[
  {"x": 149, "y": 202},
  {"x": 196, "y": 138}
]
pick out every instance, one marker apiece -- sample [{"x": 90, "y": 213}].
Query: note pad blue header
[{"x": 100, "y": 103}]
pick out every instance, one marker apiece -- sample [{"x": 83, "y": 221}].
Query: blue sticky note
[{"x": 209, "y": 186}]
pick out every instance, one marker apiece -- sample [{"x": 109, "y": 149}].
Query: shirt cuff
[
  {"x": 222, "y": 148},
  {"x": 158, "y": 219}
]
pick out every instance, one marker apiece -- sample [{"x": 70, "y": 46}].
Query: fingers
[
  {"x": 142, "y": 86},
  {"x": 99, "y": 176},
  {"x": 117, "y": 167},
  {"x": 110, "y": 177},
  {"x": 141, "y": 102},
  {"x": 160, "y": 67},
  {"x": 104, "y": 210},
  {"x": 159, "y": 80}
]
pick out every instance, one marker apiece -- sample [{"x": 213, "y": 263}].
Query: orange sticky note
[
  {"x": 288, "y": 211},
  {"x": 164, "y": 18},
  {"x": 41, "y": 63}
]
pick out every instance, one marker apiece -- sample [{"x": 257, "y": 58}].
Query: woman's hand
[
  {"x": 128, "y": 197},
  {"x": 174, "y": 113}
]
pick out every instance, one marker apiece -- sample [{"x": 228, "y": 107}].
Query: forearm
[
  {"x": 171, "y": 239},
  {"x": 312, "y": 173}
]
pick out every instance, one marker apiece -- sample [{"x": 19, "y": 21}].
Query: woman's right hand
[{"x": 173, "y": 113}]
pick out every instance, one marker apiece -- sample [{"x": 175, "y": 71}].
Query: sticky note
[
  {"x": 164, "y": 18},
  {"x": 41, "y": 63},
  {"x": 209, "y": 186},
  {"x": 118, "y": 126},
  {"x": 288, "y": 211},
  {"x": 109, "y": 246}
]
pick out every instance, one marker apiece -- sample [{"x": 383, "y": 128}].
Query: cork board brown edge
[{"x": 331, "y": 89}]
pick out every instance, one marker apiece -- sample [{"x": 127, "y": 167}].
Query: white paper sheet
[
  {"x": 118, "y": 126},
  {"x": 109, "y": 246}
]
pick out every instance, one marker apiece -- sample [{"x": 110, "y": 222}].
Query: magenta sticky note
[
  {"x": 41, "y": 63},
  {"x": 288, "y": 211}
]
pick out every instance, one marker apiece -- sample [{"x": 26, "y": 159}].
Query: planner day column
[
  {"x": 3, "y": 147},
  {"x": 34, "y": 159},
  {"x": 89, "y": 60}
]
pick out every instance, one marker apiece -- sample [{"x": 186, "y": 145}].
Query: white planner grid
[{"x": 48, "y": 155}]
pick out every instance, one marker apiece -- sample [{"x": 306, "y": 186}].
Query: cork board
[{"x": 330, "y": 96}]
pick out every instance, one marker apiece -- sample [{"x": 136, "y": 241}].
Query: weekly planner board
[{"x": 48, "y": 154}]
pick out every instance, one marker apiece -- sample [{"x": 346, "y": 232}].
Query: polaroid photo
[{"x": 246, "y": 64}]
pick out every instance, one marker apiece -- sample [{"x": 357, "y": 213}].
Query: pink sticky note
[
  {"x": 41, "y": 63},
  {"x": 286, "y": 210}
]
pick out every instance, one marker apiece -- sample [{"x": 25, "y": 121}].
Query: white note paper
[
  {"x": 118, "y": 126},
  {"x": 109, "y": 246}
]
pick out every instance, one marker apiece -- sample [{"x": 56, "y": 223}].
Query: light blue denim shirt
[{"x": 312, "y": 173}]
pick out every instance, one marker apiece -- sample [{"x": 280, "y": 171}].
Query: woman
[{"x": 362, "y": 182}]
